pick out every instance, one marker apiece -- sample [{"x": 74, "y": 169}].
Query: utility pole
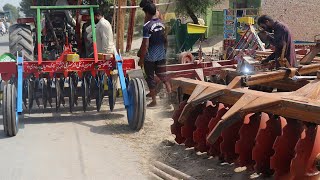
[{"x": 120, "y": 25}]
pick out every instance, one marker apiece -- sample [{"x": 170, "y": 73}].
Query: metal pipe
[
  {"x": 94, "y": 36},
  {"x": 172, "y": 171},
  {"x": 39, "y": 36},
  {"x": 65, "y": 7}
]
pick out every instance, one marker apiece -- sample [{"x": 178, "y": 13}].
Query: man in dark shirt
[
  {"x": 152, "y": 51},
  {"x": 282, "y": 37}
]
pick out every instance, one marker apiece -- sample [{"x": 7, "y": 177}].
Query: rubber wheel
[
  {"x": 85, "y": 94},
  {"x": 4, "y": 110},
  {"x": 136, "y": 111},
  {"x": 21, "y": 40},
  {"x": 71, "y": 95},
  {"x": 10, "y": 118},
  {"x": 58, "y": 94},
  {"x": 112, "y": 91}
]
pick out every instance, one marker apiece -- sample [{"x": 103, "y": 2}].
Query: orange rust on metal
[
  {"x": 311, "y": 55},
  {"x": 291, "y": 105},
  {"x": 266, "y": 77}
]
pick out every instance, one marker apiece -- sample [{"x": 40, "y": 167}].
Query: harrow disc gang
[{"x": 255, "y": 131}]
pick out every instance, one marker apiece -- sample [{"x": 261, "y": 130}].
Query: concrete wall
[
  {"x": 221, "y": 6},
  {"x": 302, "y": 16}
]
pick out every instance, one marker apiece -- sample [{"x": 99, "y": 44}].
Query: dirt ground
[{"x": 156, "y": 143}]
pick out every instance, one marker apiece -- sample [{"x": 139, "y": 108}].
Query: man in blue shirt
[{"x": 153, "y": 50}]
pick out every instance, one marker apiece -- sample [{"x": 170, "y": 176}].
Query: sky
[{"x": 13, "y": 2}]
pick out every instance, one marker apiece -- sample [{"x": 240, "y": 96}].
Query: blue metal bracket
[
  {"x": 19, "y": 84},
  {"x": 122, "y": 80}
]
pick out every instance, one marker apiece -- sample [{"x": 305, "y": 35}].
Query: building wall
[{"x": 302, "y": 16}]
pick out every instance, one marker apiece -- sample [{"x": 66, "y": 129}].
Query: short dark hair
[
  {"x": 150, "y": 9},
  {"x": 97, "y": 12},
  {"x": 143, "y": 3},
  {"x": 263, "y": 19}
]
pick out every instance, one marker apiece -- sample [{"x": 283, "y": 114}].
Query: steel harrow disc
[
  {"x": 85, "y": 94},
  {"x": 189, "y": 126},
  {"x": 176, "y": 126},
  {"x": 112, "y": 91},
  {"x": 58, "y": 93},
  {"x": 199, "y": 135},
  {"x": 271, "y": 145},
  {"x": 71, "y": 95},
  {"x": 99, "y": 92}
]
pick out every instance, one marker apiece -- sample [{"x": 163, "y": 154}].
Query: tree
[
  {"x": 14, "y": 11},
  {"x": 194, "y": 7},
  {"x": 25, "y": 6}
]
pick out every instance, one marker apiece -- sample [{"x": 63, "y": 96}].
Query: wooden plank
[{"x": 121, "y": 26}]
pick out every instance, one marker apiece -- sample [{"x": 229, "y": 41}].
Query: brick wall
[{"x": 302, "y": 16}]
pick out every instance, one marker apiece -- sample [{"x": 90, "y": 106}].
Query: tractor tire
[
  {"x": 136, "y": 111},
  {"x": 21, "y": 41},
  {"x": 10, "y": 119}
]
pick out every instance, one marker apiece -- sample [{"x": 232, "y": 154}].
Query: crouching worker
[{"x": 152, "y": 51}]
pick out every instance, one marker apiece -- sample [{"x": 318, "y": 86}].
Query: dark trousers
[{"x": 151, "y": 68}]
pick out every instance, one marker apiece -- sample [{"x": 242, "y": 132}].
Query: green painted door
[{"x": 215, "y": 24}]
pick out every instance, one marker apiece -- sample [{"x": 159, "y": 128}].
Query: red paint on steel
[
  {"x": 245, "y": 144},
  {"x": 307, "y": 149},
  {"x": 39, "y": 53},
  {"x": 284, "y": 149},
  {"x": 95, "y": 52},
  {"x": 230, "y": 136},
  {"x": 269, "y": 130},
  {"x": 25, "y": 20},
  {"x": 214, "y": 149},
  {"x": 8, "y": 70},
  {"x": 189, "y": 126},
  {"x": 176, "y": 126},
  {"x": 202, "y": 129}
]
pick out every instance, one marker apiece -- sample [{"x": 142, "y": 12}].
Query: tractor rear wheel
[{"x": 21, "y": 40}]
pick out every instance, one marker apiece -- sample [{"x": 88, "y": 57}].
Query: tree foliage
[
  {"x": 26, "y": 4},
  {"x": 191, "y": 8},
  {"x": 104, "y": 6},
  {"x": 13, "y": 9}
]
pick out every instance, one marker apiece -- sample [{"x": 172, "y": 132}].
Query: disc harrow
[
  {"x": 61, "y": 79},
  {"x": 275, "y": 134}
]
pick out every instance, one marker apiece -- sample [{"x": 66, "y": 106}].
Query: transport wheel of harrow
[
  {"x": 21, "y": 40},
  {"x": 100, "y": 94},
  {"x": 112, "y": 91},
  {"x": 71, "y": 95},
  {"x": 137, "y": 104},
  {"x": 10, "y": 116},
  {"x": 30, "y": 94},
  {"x": 4, "y": 110},
  {"x": 58, "y": 94}
]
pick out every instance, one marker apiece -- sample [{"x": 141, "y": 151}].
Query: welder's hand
[
  {"x": 265, "y": 61},
  {"x": 141, "y": 63}
]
